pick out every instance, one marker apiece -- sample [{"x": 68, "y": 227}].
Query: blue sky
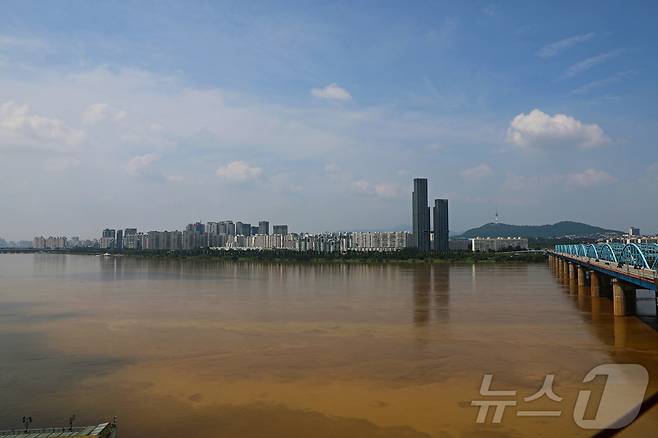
[{"x": 319, "y": 114}]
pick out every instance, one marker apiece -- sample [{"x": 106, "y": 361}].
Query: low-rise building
[
  {"x": 487, "y": 244},
  {"x": 460, "y": 245},
  {"x": 39, "y": 242}
]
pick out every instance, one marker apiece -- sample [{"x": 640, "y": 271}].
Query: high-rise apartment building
[
  {"x": 279, "y": 229},
  {"x": 130, "y": 238},
  {"x": 108, "y": 238},
  {"x": 242, "y": 229},
  {"x": 227, "y": 227},
  {"x": 441, "y": 226},
  {"x": 263, "y": 227},
  {"x": 118, "y": 243},
  {"x": 420, "y": 215},
  {"x": 212, "y": 227},
  {"x": 196, "y": 227}
]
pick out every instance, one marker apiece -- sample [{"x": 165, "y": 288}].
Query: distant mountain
[{"x": 560, "y": 229}]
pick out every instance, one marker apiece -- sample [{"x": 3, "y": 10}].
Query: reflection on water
[{"x": 212, "y": 348}]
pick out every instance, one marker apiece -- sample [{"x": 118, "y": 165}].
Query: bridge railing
[{"x": 637, "y": 255}]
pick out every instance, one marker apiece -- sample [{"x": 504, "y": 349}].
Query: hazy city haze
[{"x": 319, "y": 115}]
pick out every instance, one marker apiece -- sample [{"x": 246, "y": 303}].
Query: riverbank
[{"x": 405, "y": 256}]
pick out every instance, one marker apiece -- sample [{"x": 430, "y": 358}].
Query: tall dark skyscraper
[
  {"x": 420, "y": 215},
  {"x": 118, "y": 243},
  {"x": 263, "y": 227},
  {"x": 441, "y": 226}
]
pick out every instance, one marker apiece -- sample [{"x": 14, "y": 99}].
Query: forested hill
[{"x": 559, "y": 229}]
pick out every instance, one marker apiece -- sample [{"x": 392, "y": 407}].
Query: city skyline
[
  {"x": 430, "y": 232},
  {"x": 238, "y": 234},
  {"x": 189, "y": 110},
  {"x": 630, "y": 230}
]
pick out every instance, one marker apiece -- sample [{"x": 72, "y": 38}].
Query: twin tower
[{"x": 421, "y": 220}]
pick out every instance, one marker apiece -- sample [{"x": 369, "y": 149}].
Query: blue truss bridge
[
  {"x": 617, "y": 268},
  {"x": 637, "y": 255}
]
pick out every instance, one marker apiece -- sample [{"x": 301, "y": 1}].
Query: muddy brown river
[{"x": 191, "y": 348}]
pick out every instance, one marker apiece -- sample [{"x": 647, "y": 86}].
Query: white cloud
[
  {"x": 22, "y": 43},
  {"x": 477, "y": 172},
  {"x": 100, "y": 112},
  {"x": 331, "y": 92},
  {"x": 140, "y": 164},
  {"x": 586, "y": 179},
  {"x": 589, "y": 178},
  {"x": 284, "y": 182},
  {"x": 540, "y": 130},
  {"x": 239, "y": 172},
  {"x": 600, "y": 83},
  {"x": 192, "y": 126},
  {"x": 19, "y": 127},
  {"x": 381, "y": 190},
  {"x": 490, "y": 10},
  {"x": 591, "y": 62},
  {"x": 332, "y": 168},
  {"x": 555, "y": 48}
]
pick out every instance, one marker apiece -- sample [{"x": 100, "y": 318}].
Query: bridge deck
[{"x": 644, "y": 278}]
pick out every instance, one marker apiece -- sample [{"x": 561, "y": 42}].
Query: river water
[{"x": 238, "y": 349}]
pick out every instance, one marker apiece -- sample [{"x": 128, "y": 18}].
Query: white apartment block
[
  {"x": 380, "y": 241},
  {"x": 486, "y": 244}
]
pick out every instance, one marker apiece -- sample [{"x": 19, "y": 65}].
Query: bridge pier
[
  {"x": 572, "y": 274},
  {"x": 606, "y": 285},
  {"x": 560, "y": 269},
  {"x": 565, "y": 271},
  {"x": 581, "y": 276},
  {"x": 582, "y": 281},
  {"x": 623, "y": 296},
  {"x": 594, "y": 285},
  {"x": 573, "y": 278}
]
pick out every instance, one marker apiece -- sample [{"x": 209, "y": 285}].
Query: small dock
[{"x": 103, "y": 430}]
